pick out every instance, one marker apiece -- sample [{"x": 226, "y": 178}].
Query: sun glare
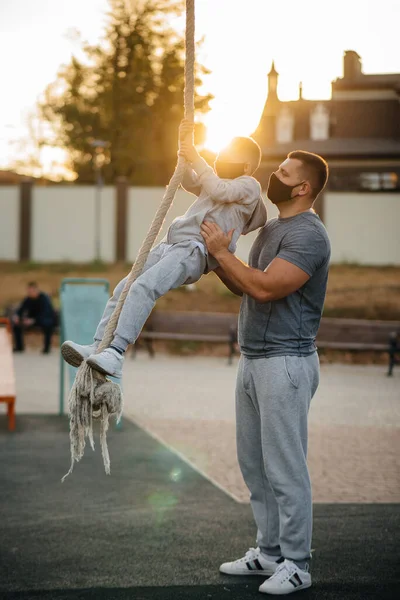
[
  {"x": 218, "y": 135},
  {"x": 238, "y": 57},
  {"x": 222, "y": 127},
  {"x": 226, "y": 121}
]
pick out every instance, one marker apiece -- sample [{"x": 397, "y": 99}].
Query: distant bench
[
  {"x": 356, "y": 334},
  {"x": 336, "y": 334},
  {"x": 7, "y": 377},
  {"x": 191, "y": 327},
  {"x": 361, "y": 335}
]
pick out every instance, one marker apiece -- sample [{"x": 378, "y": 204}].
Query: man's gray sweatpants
[
  {"x": 273, "y": 396},
  {"x": 168, "y": 267}
]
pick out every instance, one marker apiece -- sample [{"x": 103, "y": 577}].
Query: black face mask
[
  {"x": 278, "y": 191},
  {"x": 229, "y": 170}
]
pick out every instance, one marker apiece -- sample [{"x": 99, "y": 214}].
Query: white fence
[
  {"x": 64, "y": 224},
  {"x": 9, "y": 222},
  {"x": 364, "y": 228}
]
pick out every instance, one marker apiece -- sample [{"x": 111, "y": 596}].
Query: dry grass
[
  {"x": 363, "y": 292},
  {"x": 353, "y": 291}
]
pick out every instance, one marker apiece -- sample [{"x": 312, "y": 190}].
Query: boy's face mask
[{"x": 229, "y": 170}]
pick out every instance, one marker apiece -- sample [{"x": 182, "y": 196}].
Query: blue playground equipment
[{"x": 82, "y": 302}]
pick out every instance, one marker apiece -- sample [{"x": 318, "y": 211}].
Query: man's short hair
[
  {"x": 315, "y": 167},
  {"x": 32, "y": 284},
  {"x": 248, "y": 148}
]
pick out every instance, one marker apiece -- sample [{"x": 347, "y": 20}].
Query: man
[
  {"x": 283, "y": 292},
  {"x": 35, "y": 310}
]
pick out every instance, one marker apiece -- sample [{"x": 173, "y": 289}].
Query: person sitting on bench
[{"x": 36, "y": 310}]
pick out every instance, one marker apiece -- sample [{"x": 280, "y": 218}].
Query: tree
[{"x": 128, "y": 92}]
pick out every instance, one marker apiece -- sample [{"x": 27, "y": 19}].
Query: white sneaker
[
  {"x": 74, "y": 354},
  {"x": 252, "y": 563},
  {"x": 108, "y": 362},
  {"x": 287, "y": 578}
]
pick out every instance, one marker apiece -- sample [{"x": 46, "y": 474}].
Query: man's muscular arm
[
  {"x": 280, "y": 279},
  {"x": 227, "y": 282}
]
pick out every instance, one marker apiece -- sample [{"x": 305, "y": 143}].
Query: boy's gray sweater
[{"x": 230, "y": 203}]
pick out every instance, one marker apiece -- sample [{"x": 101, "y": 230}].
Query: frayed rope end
[{"x": 92, "y": 396}]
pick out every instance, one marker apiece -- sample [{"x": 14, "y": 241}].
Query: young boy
[{"x": 230, "y": 197}]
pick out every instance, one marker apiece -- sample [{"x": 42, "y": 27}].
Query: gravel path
[{"x": 354, "y": 424}]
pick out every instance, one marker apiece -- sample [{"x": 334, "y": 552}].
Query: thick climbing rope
[{"x": 93, "y": 395}]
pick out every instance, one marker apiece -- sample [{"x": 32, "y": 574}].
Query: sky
[{"x": 306, "y": 39}]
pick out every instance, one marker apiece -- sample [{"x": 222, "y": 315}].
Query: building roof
[
  {"x": 366, "y": 127},
  {"x": 338, "y": 147},
  {"x": 363, "y": 81}
]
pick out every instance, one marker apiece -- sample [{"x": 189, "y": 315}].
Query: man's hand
[
  {"x": 28, "y": 322},
  {"x": 216, "y": 240},
  {"x": 15, "y": 319}
]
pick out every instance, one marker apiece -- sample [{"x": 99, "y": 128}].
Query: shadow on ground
[{"x": 156, "y": 529}]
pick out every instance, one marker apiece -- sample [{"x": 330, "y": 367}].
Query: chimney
[{"x": 352, "y": 68}]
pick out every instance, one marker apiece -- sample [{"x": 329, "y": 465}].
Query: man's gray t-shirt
[{"x": 287, "y": 326}]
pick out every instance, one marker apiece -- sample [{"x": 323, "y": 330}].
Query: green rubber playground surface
[{"x": 156, "y": 529}]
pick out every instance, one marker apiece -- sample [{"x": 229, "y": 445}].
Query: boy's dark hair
[
  {"x": 315, "y": 167},
  {"x": 249, "y": 148},
  {"x": 32, "y": 284}
]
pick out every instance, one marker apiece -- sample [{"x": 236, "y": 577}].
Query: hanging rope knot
[
  {"x": 107, "y": 394},
  {"x": 93, "y": 396}
]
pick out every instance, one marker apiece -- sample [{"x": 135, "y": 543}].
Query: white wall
[
  {"x": 9, "y": 222},
  {"x": 364, "y": 228},
  {"x": 142, "y": 206},
  {"x": 64, "y": 223}
]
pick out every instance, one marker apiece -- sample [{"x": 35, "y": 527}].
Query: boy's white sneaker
[
  {"x": 287, "y": 578},
  {"x": 74, "y": 354},
  {"x": 252, "y": 563},
  {"x": 108, "y": 362}
]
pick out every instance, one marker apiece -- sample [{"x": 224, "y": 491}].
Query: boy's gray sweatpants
[
  {"x": 168, "y": 266},
  {"x": 273, "y": 396}
]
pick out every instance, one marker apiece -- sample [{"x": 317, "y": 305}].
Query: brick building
[{"x": 357, "y": 131}]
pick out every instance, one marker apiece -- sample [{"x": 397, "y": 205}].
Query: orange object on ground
[{"x": 7, "y": 375}]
